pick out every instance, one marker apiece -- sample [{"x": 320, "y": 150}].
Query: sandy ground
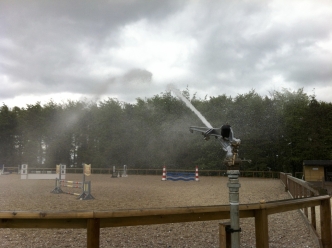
[{"x": 285, "y": 229}]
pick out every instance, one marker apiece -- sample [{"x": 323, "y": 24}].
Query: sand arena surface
[{"x": 133, "y": 192}]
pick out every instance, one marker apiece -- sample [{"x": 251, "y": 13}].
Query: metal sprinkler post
[
  {"x": 231, "y": 145},
  {"x": 233, "y": 172}
]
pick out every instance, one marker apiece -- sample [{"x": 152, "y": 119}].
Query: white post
[
  {"x": 113, "y": 174},
  {"x": 124, "y": 173},
  {"x": 24, "y": 171}
]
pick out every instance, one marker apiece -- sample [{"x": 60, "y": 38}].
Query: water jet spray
[{"x": 178, "y": 93}]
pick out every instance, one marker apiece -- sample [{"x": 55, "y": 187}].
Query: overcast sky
[{"x": 133, "y": 48}]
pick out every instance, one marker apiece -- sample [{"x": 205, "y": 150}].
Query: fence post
[
  {"x": 313, "y": 214},
  {"x": 225, "y": 240},
  {"x": 261, "y": 228},
  {"x": 93, "y": 233},
  {"x": 296, "y": 191},
  {"x": 286, "y": 183},
  {"x": 325, "y": 222},
  {"x": 291, "y": 184}
]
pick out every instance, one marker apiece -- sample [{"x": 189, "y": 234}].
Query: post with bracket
[
  {"x": 231, "y": 145},
  {"x": 224, "y": 235},
  {"x": 233, "y": 172}
]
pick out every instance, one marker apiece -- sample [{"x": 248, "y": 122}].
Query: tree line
[{"x": 277, "y": 132}]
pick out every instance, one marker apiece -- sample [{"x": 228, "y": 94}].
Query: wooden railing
[
  {"x": 263, "y": 174},
  {"x": 284, "y": 180},
  {"x": 94, "y": 220},
  {"x": 304, "y": 196},
  {"x": 298, "y": 188}
]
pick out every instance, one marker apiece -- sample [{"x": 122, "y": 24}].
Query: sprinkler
[
  {"x": 231, "y": 145},
  {"x": 226, "y": 139}
]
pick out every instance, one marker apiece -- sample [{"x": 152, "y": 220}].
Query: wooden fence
[
  {"x": 94, "y": 220},
  {"x": 304, "y": 196},
  {"x": 298, "y": 188},
  {"x": 263, "y": 174}
]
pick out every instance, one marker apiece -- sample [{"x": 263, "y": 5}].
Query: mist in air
[{"x": 178, "y": 93}]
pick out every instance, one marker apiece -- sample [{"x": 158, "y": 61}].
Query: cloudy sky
[{"x": 134, "y": 48}]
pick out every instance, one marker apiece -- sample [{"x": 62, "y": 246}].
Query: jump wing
[{"x": 206, "y": 131}]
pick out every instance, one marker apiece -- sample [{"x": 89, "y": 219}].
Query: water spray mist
[{"x": 178, "y": 93}]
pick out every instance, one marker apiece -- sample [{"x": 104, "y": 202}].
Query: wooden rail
[
  {"x": 94, "y": 220},
  {"x": 298, "y": 188},
  {"x": 264, "y": 174}
]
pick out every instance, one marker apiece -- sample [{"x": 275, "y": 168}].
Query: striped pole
[
  {"x": 72, "y": 182},
  {"x": 196, "y": 174},
  {"x": 71, "y": 186},
  {"x": 164, "y": 174}
]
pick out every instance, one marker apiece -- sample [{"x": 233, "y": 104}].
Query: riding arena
[{"x": 144, "y": 193}]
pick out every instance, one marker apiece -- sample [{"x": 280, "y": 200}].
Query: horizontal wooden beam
[
  {"x": 170, "y": 218},
  {"x": 44, "y": 223},
  {"x": 46, "y": 215},
  {"x": 133, "y": 217},
  {"x": 289, "y": 206},
  {"x": 303, "y": 184}
]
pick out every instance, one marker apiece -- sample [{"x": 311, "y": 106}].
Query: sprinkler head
[{"x": 226, "y": 131}]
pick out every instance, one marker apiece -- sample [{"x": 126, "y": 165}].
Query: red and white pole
[
  {"x": 164, "y": 174},
  {"x": 196, "y": 176}
]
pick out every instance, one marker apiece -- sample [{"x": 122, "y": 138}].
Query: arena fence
[
  {"x": 263, "y": 174},
  {"x": 94, "y": 220},
  {"x": 298, "y": 189},
  {"x": 131, "y": 171}
]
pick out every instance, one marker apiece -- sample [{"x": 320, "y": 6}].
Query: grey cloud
[
  {"x": 240, "y": 41},
  {"x": 129, "y": 85},
  {"x": 42, "y": 46},
  {"x": 307, "y": 69},
  {"x": 91, "y": 17},
  {"x": 137, "y": 76},
  {"x": 45, "y": 38}
]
